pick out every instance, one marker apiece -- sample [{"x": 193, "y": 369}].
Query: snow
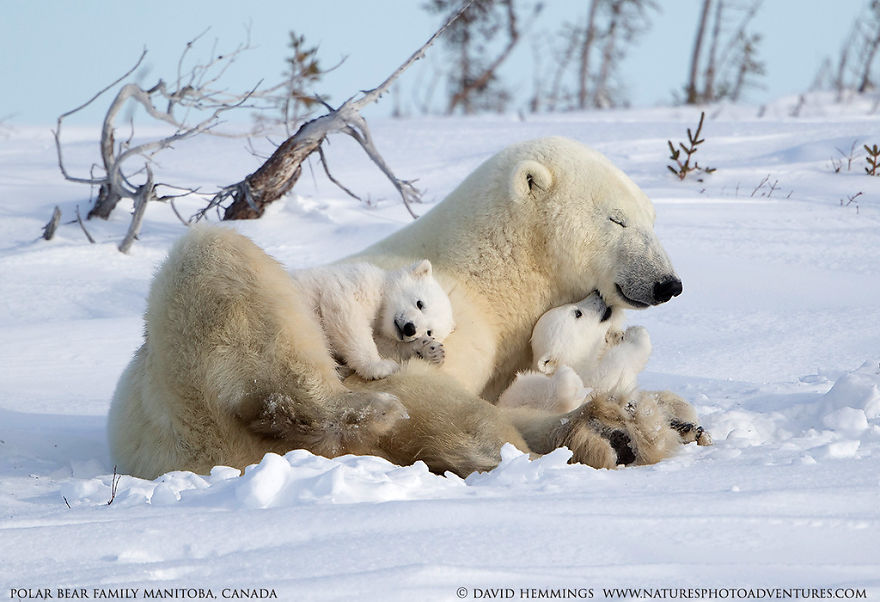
[{"x": 776, "y": 340}]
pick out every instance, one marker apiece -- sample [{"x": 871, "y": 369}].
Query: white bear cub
[
  {"x": 576, "y": 347},
  {"x": 356, "y": 302}
]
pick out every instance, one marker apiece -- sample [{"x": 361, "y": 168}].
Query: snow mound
[
  {"x": 854, "y": 399},
  {"x": 300, "y": 478},
  {"x": 851, "y": 410}
]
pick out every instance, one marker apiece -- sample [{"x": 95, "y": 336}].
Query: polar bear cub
[
  {"x": 355, "y": 302},
  {"x": 575, "y": 347}
]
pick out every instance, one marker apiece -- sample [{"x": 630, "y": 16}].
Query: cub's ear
[
  {"x": 547, "y": 364},
  {"x": 421, "y": 269},
  {"x": 530, "y": 179}
]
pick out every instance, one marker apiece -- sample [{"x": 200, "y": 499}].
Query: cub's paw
[
  {"x": 429, "y": 350},
  {"x": 569, "y": 388},
  {"x": 614, "y": 337},
  {"x": 379, "y": 369}
]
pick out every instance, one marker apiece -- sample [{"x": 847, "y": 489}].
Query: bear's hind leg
[
  {"x": 682, "y": 417},
  {"x": 346, "y": 423}
]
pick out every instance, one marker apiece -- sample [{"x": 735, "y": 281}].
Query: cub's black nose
[
  {"x": 409, "y": 329},
  {"x": 666, "y": 289}
]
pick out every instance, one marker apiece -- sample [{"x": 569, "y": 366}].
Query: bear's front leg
[{"x": 351, "y": 338}]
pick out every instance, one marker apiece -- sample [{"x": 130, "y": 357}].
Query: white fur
[
  {"x": 529, "y": 230},
  {"x": 356, "y": 302},
  {"x": 235, "y": 364},
  {"x": 573, "y": 339}
]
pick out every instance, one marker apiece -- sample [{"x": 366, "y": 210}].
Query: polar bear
[
  {"x": 356, "y": 302},
  {"x": 580, "y": 354},
  {"x": 575, "y": 348},
  {"x": 228, "y": 371}
]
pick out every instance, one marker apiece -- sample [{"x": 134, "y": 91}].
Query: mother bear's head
[
  {"x": 598, "y": 225},
  {"x": 550, "y": 217}
]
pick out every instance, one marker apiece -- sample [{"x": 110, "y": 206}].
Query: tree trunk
[
  {"x": 589, "y": 37},
  {"x": 868, "y": 61},
  {"x": 106, "y": 202},
  {"x": 709, "y": 86},
  {"x": 601, "y": 95},
  {"x": 108, "y": 196},
  {"x": 469, "y": 85},
  {"x": 692, "y": 96},
  {"x": 275, "y": 177}
]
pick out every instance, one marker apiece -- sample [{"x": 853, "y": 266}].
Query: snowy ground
[{"x": 776, "y": 340}]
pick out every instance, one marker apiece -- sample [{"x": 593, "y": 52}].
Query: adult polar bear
[{"x": 234, "y": 365}]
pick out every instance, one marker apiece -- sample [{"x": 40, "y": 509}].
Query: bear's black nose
[
  {"x": 409, "y": 329},
  {"x": 666, "y": 289}
]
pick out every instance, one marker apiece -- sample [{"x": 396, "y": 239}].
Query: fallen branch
[
  {"x": 280, "y": 172},
  {"x": 191, "y": 93},
  {"x": 49, "y": 229}
]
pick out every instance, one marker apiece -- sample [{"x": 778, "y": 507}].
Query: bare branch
[
  {"x": 278, "y": 174},
  {"x": 145, "y": 193},
  {"x": 176, "y": 212},
  {"x": 49, "y": 229},
  {"x": 373, "y": 95},
  {"x": 83, "y": 226},
  {"x": 334, "y": 180},
  {"x": 407, "y": 191}
]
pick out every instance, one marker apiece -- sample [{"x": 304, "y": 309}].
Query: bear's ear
[
  {"x": 530, "y": 179},
  {"x": 421, "y": 269},
  {"x": 547, "y": 363}
]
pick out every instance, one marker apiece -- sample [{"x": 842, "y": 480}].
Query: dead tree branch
[
  {"x": 190, "y": 105},
  {"x": 49, "y": 229},
  {"x": 83, "y": 226},
  {"x": 280, "y": 172}
]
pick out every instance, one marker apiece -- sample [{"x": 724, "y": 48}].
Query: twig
[
  {"x": 848, "y": 156},
  {"x": 334, "y": 180},
  {"x": 146, "y": 193},
  {"x": 114, "y": 484},
  {"x": 177, "y": 213},
  {"x": 49, "y": 229},
  {"x": 851, "y": 200},
  {"x": 83, "y": 226},
  {"x": 761, "y": 185}
]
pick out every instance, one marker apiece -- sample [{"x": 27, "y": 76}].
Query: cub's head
[
  {"x": 415, "y": 305},
  {"x": 571, "y": 334}
]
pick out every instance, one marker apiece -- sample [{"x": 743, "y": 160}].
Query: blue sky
[{"x": 56, "y": 54}]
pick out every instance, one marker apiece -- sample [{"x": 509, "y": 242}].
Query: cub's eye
[
  {"x": 618, "y": 220},
  {"x": 429, "y": 333},
  {"x": 578, "y": 313},
  {"x": 419, "y": 304}
]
